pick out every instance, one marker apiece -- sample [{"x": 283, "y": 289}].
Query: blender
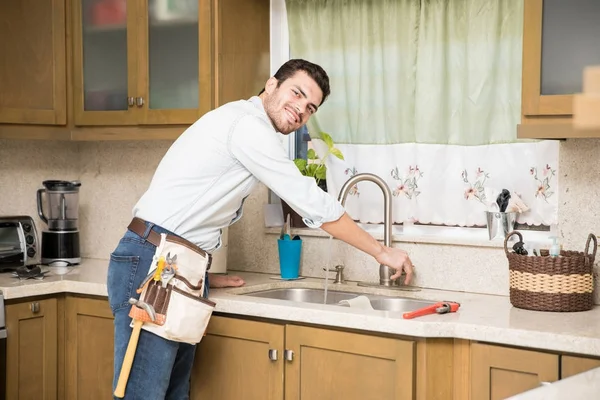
[{"x": 60, "y": 241}]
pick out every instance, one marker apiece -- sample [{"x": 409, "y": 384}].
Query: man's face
[{"x": 290, "y": 105}]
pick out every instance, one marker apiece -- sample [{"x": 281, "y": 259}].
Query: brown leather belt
[{"x": 138, "y": 226}]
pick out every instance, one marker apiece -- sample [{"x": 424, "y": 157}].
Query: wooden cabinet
[
  {"x": 139, "y": 62},
  {"x": 32, "y": 350},
  {"x": 499, "y": 372},
  {"x": 571, "y": 365},
  {"x": 33, "y": 68},
  {"x": 239, "y": 359},
  {"x": 247, "y": 359},
  {"x": 59, "y": 348},
  {"x": 89, "y": 333},
  {"x": 325, "y": 364},
  {"x": 559, "y": 40},
  {"x": 126, "y": 69}
]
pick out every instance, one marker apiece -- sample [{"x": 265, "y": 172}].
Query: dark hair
[{"x": 315, "y": 71}]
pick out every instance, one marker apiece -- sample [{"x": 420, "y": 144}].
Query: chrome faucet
[{"x": 385, "y": 272}]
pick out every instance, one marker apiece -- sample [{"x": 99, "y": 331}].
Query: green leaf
[
  {"x": 321, "y": 172},
  {"x": 311, "y": 154},
  {"x": 327, "y": 139},
  {"x": 336, "y": 152},
  {"x": 301, "y": 164},
  {"x": 311, "y": 170}
]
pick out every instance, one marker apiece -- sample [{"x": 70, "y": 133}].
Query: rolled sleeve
[{"x": 257, "y": 146}]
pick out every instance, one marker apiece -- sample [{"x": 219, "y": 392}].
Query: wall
[{"x": 115, "y": 174}]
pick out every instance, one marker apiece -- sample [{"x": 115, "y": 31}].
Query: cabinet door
[
  {"x": 174, "y": 76},
  {"x": 32, "y": 350},
  {"x": 325, "y": 364},
  {"x": 559, "y": 39},
  {"x": 243, "y": 54},
  {"x": 500, "y": 372},
  {"x": 235, "y": 361},
  {"x": 33, "y": 67},
  {"x": 90, "y": 346},
  {"x": 570, "y": 365},
  {"x": 104, "y": 62}
]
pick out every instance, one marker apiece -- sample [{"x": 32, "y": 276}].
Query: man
[{"x": 199, "y": 188}]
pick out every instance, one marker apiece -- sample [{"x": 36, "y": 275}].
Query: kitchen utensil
[
  {"x": 441, "y": 307},
  {"x": 282, "y": 231},
  {"x": 288, "y": 228},
  {"x": 500, "y": 223},
  {"x": 503, "y": 199}
]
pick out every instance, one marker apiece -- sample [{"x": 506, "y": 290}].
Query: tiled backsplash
[{"x": 115, "y": 174}]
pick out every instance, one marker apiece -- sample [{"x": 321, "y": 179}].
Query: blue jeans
[{"x": 161, "y": 368}]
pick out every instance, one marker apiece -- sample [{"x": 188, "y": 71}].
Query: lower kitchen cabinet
[
  {"x": 248, "y": 359},
  {"x": 62, "y": 348},
  {"x": 32, "y": 350},
  {"x": 89, "y": 334},
  {"x": 323, "y": 364},
  {"x": 499, "y": 372},
  {"x": 570, "y": 365},
  {"x": 239, "y": 359}
]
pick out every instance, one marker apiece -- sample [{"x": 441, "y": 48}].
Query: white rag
[{"x": 358, "y": 302}]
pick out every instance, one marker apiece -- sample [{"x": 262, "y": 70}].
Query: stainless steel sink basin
[
  {"x": 378, "y": 302},
  {"x": 304, "y": 295}
]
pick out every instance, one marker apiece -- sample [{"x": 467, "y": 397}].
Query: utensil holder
[
  {"x": 500, "y": 223},
  {"x": 544, "y": 283}
]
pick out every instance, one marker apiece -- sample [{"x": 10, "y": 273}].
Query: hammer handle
[{"x": 128, "y": 360}]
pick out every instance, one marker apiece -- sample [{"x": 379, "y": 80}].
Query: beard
[{"x": 278, "y": 116}]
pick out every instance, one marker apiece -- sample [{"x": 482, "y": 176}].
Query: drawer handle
[
  {"x": 35, "y": 307},
  {"x": 273, "y": 354},
  {"x": 289, "y": 355}
]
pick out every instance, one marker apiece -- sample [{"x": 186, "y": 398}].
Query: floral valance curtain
[{"x": 425, "y": 93}]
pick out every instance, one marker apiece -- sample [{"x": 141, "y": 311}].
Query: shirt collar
[{"x": 257, "y": 102}]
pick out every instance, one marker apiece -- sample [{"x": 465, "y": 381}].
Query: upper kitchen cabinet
[
  {"x": 141, "y": 62},
  {"x": 33, "y": 68},
  {"x": 559, "y": 40},
  {"x": 160, "y": 62}
]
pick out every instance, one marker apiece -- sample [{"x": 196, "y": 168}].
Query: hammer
[{"x": 133, "y": 340}]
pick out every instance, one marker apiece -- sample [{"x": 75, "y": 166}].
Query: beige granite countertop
[{"x": 480, "y": 317}]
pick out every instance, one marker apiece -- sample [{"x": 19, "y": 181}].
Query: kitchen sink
[{"x": 378, "y": 302}]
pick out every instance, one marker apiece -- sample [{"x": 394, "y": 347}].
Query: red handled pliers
[{"x": 441, "y": 307}]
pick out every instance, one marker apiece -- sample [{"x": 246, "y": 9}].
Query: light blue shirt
[{"x": 202, "y": 181}]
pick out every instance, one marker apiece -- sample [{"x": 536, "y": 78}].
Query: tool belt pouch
[{"x": 176, "y": 293}]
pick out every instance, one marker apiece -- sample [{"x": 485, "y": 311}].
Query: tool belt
[{"x": 174, "y": 288}]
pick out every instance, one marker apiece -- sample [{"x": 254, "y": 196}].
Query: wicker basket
[{"x": 545, "y": 283}]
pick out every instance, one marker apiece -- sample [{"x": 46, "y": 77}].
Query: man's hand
[
  {"x": 222, "y": 281},
  {"x": 398, "y": 260}
]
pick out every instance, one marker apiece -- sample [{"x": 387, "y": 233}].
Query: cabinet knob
[
  {"x": 35, "y": 307},
  {"x": 130, "y": 101},
  {"x": 139, "y": 101},
  {"x": 289, "y": 355},
  {"x": 273, "y": 354}
]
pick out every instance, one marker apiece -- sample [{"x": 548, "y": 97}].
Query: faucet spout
[{"x": 385, "y": 272}]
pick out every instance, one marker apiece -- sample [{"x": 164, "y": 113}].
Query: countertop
[{"x": 481, "y": 317}]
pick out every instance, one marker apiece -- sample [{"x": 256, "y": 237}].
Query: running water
[{"x": 327, "y": 269}]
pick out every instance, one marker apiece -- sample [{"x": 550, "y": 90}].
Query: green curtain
[{"x": 414, "y": 71}]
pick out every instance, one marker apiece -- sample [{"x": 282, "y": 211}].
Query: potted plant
[{"x": 314, "y": 167}]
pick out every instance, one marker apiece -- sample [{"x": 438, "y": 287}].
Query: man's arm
[{"x": 348, "y": 231}]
